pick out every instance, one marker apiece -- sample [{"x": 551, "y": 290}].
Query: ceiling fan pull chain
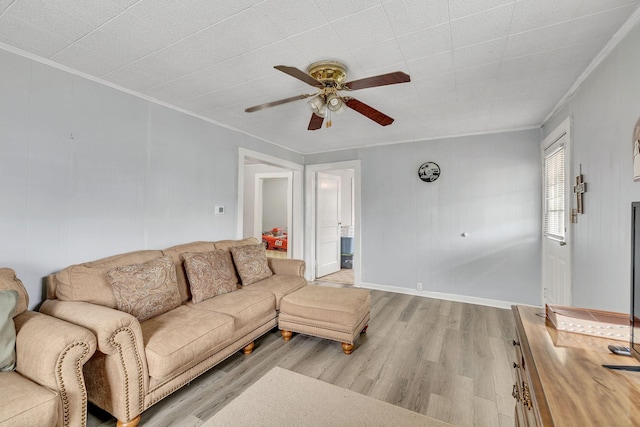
[{"x": 328, "y": 118}]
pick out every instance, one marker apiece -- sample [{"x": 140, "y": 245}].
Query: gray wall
[
  {"x": 411, "y": 230},
  {"x": 604, "y": 111},
  {"x": 274, "y": 203},
  {"x": 87, "y": 171}
]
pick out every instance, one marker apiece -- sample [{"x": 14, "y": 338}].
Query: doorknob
[{"x": 563, "y": 243}]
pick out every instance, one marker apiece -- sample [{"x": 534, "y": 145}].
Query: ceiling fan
[{"x": 328, "y": 77}]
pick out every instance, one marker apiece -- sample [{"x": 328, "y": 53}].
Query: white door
[
  {"x": 328, "y": 224},
  {"x": 556, "y": 192}
]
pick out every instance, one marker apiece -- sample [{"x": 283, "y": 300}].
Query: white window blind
[{"x": 554, "y": 184}]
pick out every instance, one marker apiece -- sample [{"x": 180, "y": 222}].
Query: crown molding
[{"x": 150, "y": 99}]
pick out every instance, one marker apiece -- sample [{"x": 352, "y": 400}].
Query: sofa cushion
[
  {"x": 175, "y": 252},
  {"x": 8, "y": 280},
  {"x": 8, "y": 304},
  {"x": 182, "y": 337},
  {"x": 228, "y": 244},
  {"x": 88, "y": 282},
  {"x": 245, "y": 306},
  {"x": 25, "y": 403},
  {"x": 210, "y": 274},
  {"x": 251, "y": 263},
  {"x": 146, "y": 290},
  {"x": 280, "y": 285}
]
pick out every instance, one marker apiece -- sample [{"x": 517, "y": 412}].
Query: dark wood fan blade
[
  {"x": 274, "y": 103},
  {"x": 381, "y": 80},
  {"x": 316, "y": 122},
  {"x": 298, "y": 74},
  {"x": 370, "y": 112}
]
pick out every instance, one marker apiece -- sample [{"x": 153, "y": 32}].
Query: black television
[
  {"x": 635, "y": 281},
  {"x": 634, "y": 312}
]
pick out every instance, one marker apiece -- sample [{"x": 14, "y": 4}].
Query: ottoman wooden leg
[
  {"x": 286, "y": 335},
  {"x": 249, "y": 348},
  {"x": 347, "y": 348},
  {"x": 133, "y": 423},
  {"x": 364, "y": 330}
]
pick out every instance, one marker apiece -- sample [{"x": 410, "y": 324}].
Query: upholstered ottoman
[{"x": 338, "y": 314}]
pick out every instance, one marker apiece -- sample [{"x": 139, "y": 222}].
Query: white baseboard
[{"x": 439, "y": 295}]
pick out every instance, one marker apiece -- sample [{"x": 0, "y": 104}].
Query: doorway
[
  {"x": 252, "y": 164},
  {"x": 273, "y": 197},
  {"x": 333, "y": 250}
]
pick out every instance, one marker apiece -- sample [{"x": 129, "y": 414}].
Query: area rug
[{"x": 285, "y": 398}]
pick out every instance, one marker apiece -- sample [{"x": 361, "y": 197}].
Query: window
[{"x": 554, "y": 185}]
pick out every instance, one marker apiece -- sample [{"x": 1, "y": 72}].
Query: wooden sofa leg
[
  {"x": 347, "y": 348},
  {"x": 249, "y": 348},
  {"x": 286, "y": 335},
  {"x": 133, "y": 423}
]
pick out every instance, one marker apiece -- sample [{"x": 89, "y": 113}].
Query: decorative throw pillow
[
  {"x": 8, "y": 304},
  {"x": 146, "y": 290},
  {"x": 251, "y": 263},
  {"x": 210, "y": 274}
]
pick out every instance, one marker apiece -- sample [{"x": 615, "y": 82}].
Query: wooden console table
[{"x": 560, "y": 381}]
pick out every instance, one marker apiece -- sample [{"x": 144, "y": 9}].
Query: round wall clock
[{"x": 429, "y": 172}]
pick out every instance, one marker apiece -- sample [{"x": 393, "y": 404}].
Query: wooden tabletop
[{"x": 568, "y": 379}]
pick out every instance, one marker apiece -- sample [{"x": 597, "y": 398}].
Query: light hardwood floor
[{"x": 448, "y": 360}]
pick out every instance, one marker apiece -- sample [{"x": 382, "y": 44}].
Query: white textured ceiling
[{"x": 476, "y": 66}]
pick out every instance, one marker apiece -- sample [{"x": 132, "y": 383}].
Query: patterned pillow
[
  {"x": 251, "y": 263},
  {"x": 146, "y": 290},
  {"x": 8, "y": 304},
  {"x": 210, "y": 274}
]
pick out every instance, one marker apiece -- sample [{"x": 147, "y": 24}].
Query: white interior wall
[
  {"x": 411, "y": 230},
  {"x": 274, "y": 203},
  {"x": 604, "y": 111},
  {"x": 87, "y": 171}
]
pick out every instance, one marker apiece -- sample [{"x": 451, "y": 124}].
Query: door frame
[
  {"x": 258, "y": 202},
  {"x": 297, "y": 242},
  {"x": 562, "y": 129},
  {"x": 310, "y": 215}
]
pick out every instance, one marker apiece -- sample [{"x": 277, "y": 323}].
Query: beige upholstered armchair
[{"x": 47, "y": 386}]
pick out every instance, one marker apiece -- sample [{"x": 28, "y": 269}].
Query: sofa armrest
[
  {"x": 104, "y": 322},
  {"x": 117, "y": 377},
  {"x": 289, "y": 267},
  {"x": 52, "y": 352}
]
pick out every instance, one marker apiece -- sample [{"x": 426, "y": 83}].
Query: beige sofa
[
  {"x": 47, "y": 386},
  {"x": 139, "y": 363}
]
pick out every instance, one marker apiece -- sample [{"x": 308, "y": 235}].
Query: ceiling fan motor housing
[{"x": 330, "y": 73}]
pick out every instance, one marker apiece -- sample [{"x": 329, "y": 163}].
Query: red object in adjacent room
[{"x": 275, "y": 240}]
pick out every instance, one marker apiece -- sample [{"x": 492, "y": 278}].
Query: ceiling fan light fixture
[
  {"x": 334, "y": 102},
  {"x": 323, "y": 111},
  {"x": 316, "y": 103}
]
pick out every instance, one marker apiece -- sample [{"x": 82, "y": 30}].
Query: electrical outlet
[
  {"x": 419, "y": 286},
  {"x": 219, "y": 210}
]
